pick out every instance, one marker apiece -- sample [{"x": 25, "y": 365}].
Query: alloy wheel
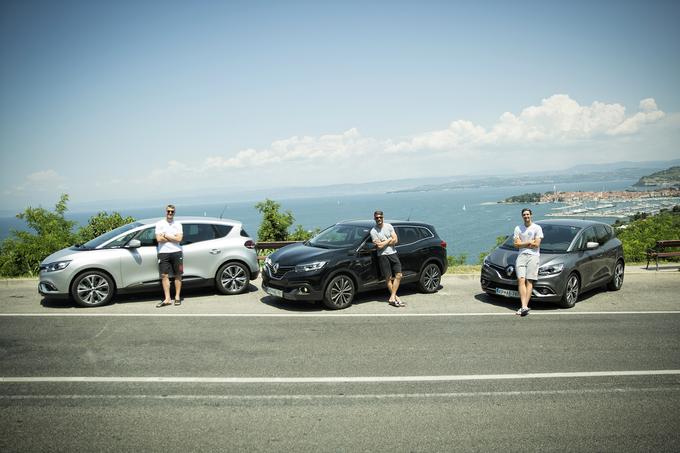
[
  {"x": 430, "y": 278},
  {"x": 233, "y": 278},
  {"x": 93, "y": 289}
]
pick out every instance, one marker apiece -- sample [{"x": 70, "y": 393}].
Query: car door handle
[{"x": 215, "y": 251}]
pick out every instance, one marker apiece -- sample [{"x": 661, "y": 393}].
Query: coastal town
[{"x": 616, "y": 204}]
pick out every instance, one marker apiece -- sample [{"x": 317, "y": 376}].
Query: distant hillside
[{"x": 664, "y": 178}]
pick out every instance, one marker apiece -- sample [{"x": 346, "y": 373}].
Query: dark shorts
[
  {"x": 171, "y": 263},
  {"x": 389, "y": 265}
]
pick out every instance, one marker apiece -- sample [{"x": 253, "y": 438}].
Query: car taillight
[
  {"x": 249, "y": 244},
  {"x": 443, "y": 244}
]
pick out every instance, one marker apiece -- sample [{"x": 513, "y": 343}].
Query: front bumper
[
  {"x": 300, "y": 291},
  {"x": 494, "y": 282},
  {"x": 54, "y": 285},
  {"x": 292, "y": 286}
]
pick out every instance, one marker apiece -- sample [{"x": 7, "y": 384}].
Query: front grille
[
  {"x": 281, "y": 271},
  {"x": 502, "y": 271}
]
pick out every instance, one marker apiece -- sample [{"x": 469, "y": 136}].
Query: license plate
[
  {"x": 507, "y": 293},
  {"x": 273, "y": 291}
]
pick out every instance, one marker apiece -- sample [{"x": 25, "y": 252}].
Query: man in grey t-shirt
[{"x": 385, "y": 238}]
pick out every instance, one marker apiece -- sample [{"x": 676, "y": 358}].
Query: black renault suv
[{"x": 342, "y": 260}]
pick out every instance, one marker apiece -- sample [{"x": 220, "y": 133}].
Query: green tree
[
  {"x": 300, "y": 234},
  {"x": 274, "y": 226},
  {"x": 642, "y": 234},
  {"x": 457, "y": 260},
  {"x": 22, "y": 252},
  {"x": 100, "y": 224}
]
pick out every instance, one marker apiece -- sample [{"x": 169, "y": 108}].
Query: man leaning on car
[
  {"x": 527, "y": 238},
  {"x": 169, "y": 235}
]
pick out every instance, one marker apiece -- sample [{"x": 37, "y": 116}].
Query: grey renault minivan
[
  {"x": 216, "y": 251},
  {"x": 576, "y": 256}
]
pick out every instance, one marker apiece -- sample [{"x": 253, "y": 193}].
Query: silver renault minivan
[{"x": 216, "y": 251}]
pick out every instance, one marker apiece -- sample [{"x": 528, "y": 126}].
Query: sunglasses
[
  {"x": 378, "y": 217},
  {"x": 170, "y": 212}
]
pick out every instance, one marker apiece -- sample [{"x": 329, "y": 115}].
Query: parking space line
[
  {"x": 331, "y": 315},
  {"x": 330, "y": 379}
]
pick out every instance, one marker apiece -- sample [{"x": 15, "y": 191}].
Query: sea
[{"x": 469, "y": 220}]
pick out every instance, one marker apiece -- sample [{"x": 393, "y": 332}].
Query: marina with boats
[{"x": 611, "y": 204}]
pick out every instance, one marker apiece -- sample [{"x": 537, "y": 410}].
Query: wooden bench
[{"x": 663, "y": 249}]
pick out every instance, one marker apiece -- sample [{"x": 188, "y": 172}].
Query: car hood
[
  {"x": 62, "y": 255},
  {"x": 300, "y": 253},
  {"x": 503, "y": 257}
]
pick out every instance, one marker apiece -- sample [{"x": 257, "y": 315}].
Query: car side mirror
[
  {"x": 592, "y": 245},
  {"x": 133, "y": 244},
  {"x": 368, "y": 247}
]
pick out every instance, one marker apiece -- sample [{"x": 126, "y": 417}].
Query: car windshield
[
  {"x": 556, "y": 238},
  {"x": 99, "y": 240},
  {"x": 340, "y": 236}
]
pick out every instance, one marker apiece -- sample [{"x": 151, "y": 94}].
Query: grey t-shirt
[{"x": 383, "y": 234}]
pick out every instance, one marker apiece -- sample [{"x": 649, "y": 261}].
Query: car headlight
[
  {"x": 310, "y": 267},
  {"x": 56, "y": 266},
  {"x": 552, "y": 269},
  {"x": 486, "y": 263}
]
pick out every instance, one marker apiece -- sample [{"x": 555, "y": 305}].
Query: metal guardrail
[{"x": 264, "y": 249}]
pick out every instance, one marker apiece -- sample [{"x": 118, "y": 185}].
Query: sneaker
[{"x": 523, "y": 311}]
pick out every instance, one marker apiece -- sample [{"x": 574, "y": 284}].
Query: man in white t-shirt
[
  {"x": 385, "y": 238},
  {"x": 170, "y": 259},
  {"x": 527, "y": 238}
]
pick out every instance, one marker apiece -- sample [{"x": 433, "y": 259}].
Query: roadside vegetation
[
  {"x": 22, "y": 252},
  {"x": 642, "y": 232}
]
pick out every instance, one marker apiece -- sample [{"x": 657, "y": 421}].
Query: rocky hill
[{"x": 664, "y": 178}]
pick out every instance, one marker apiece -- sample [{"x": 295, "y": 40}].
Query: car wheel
[
  {"x": 571, "y": 291},
  {"x": 616, "y": 282},
  {"x": 339, "y": 293},
  {"x": 93, "y": 289},
  {"x": 430, "y": 279},
  {"x": 232, "y": 278}
]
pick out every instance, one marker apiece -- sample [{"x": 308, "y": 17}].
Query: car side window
[
  {"x": 407, "y": 235},
  {"x": 222, "y": 230},
  {"x": 425, "y": 233},
  {"x": 602, "y": 234},
  {"x": 588, "y": 236},
  {"x": 197, "y": 232},
  {"x": 121, "y": 241},
  {"x": 147, "y": 237}
]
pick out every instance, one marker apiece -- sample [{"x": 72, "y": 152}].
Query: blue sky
[{"x": 145, "y": 99}]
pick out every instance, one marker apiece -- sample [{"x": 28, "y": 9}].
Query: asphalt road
[{"x": 455, "y": 370}]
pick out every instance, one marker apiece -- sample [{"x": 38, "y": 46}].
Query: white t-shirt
[
  {"x": 383, "y": 234},
  {"x": 526, "y": 234},
  {"x": 172, "y": 229}
]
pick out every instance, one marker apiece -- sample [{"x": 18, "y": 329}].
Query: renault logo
[
  {"x": 509, "y": 270},
  {"x": 275, "y": 267}
]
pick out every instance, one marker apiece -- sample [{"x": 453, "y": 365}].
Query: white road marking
[
  {"x": 534, "y": 313},
  {"x": 344, "y": 396},
  {"x": 330, "y": 379}
]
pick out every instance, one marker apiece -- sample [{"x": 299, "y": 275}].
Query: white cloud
[
  {"x": 649, "y": 113},
  {"x": 39, "y": 181},
  {"x": 557, "y": 123}
]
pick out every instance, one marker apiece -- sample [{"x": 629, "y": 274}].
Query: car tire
[
  {"x": 430, "y": 279},
  {"x": 232, "y": 278},
  {"x": 93, "y": 289},
  {"x": 571, "y": 291},
  {"x": 339, "y": 292},
  {"x": 616, "y": 282}
]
